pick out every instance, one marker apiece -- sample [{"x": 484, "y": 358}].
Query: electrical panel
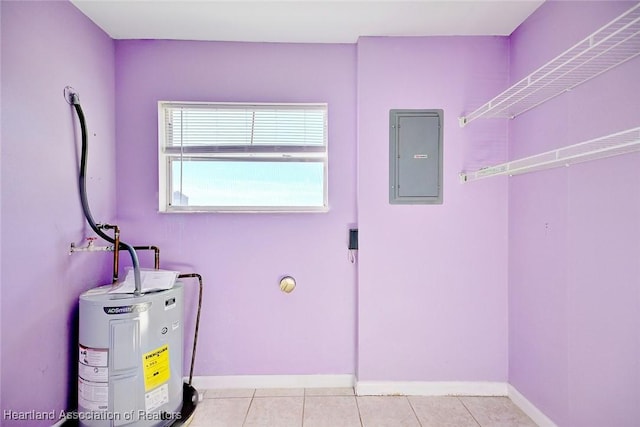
[{"x": 415, "y": 156}]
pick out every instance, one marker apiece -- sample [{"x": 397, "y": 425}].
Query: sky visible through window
[
  {"x": 253, "y": 183},
  {"x": 246, "y": 155}
]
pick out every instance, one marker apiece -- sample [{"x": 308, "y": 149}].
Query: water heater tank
[{"x": 130, "y": 358}]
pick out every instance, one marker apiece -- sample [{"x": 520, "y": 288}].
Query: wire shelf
[
  {"x": 608, "y": 47},
  {"x": 627, "y": 141}
]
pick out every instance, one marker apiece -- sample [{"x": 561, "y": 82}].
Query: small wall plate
[{"x": 287, "y": 284}]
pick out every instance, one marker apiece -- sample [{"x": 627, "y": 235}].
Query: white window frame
[{"x": 230, "y": 152}]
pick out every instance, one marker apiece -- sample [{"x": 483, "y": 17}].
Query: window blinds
[{"x": 279, "y": 127}]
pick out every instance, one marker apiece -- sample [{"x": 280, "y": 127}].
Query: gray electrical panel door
[{"x": 415, "y": 156}]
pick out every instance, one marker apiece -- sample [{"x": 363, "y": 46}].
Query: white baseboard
[
  {"x": 529, "y": 408},
  {"x": 378, "y": 388},
  {"x": 431, "y": 388},
  {"x": 273, "y": 381}
]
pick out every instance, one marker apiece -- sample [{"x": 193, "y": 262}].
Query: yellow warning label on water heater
[{"x": 156, "y": 367}]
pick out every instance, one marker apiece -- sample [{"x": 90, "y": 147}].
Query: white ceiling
[{"x": 304, "y": 21}]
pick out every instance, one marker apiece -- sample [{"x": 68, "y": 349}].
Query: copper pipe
[
  {"x": 155, "y": 249},
  {"x": 116, "y": 263},
  {"x": 195, "y": 335},
  {"x": 116, "y": 267},
  {"x": 116, "y": 244}
]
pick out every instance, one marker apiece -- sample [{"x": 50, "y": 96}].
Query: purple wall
[
  {"x": 248, "y": 325},
  {"x": 574, "y": 236},
  {"x": 432, "y": 278},
  {"x": 244, "y": 309},
  {"x": 45, "y": 47},
  {"x": 1, "y": 133}
]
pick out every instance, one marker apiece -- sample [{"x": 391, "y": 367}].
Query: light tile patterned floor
[{"x": 339, "y": 407}]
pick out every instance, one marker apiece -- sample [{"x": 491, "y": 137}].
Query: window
[{"x": 242, "y": 157}]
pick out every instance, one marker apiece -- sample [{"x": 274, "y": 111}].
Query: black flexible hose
[
  {"x": 82, "y": 182},
  {"x": 195, "y": 335}
]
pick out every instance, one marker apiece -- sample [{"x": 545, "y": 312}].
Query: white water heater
[{"x": 130, "y": 358}]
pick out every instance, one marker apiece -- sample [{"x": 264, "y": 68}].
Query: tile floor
[{"x": 339, "y": 407}]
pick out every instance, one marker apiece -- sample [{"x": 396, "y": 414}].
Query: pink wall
[
  {"x": 574, "y": 236},
  {"x": 45, "y": 47},
  {"x": 432, "y": 293},
  {"x": 248, "y": 326}
]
